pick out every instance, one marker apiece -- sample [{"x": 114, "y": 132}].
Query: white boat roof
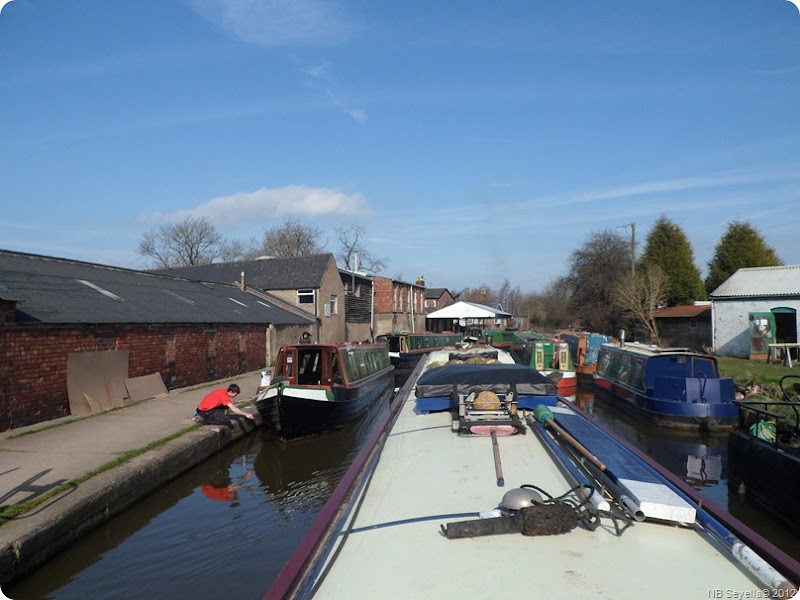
[
  {"x": 427, "y": 476},
  {"x": 443, "y": 355}
]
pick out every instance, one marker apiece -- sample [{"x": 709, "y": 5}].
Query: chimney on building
[
  {"x": 242, "y": 284},
  {"x": 421, "y": 281}
]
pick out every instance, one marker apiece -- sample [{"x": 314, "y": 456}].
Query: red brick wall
[
  {"x": 33, "y": 371},
  {"x": 383, "y": 295}
]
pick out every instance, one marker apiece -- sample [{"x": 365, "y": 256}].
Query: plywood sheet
[
  {"x": 146, "y": 387},
  {"x": 87, "y": 373}
]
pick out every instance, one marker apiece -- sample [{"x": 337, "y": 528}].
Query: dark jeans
[{"x": 215, "y": 416}]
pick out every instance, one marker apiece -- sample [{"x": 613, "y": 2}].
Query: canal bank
[{"x": 104, "y": 463}]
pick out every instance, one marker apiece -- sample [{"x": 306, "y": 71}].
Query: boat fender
[
  {"x": 266, "y": 380},
  {"x": 764, "y": 430},
  {"x": 541, "y": 413},
  {"x": 548, "y": 519}
]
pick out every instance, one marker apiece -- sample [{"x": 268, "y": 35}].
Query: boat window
[
  {"x": 309, "y": 369},
  {"x": 624, "y": 372},
  {"x": 350, "y": 366},
  {"x": 285, "y": 364},
  {"x": 635, "y": 379},
  {"x": 337, "y": 371},
  {"x": 704, "y": 367}
]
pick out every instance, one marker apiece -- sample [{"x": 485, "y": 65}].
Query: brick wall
[
  {"x": 33, "y": 371},
  {"x": 383, "y": 295}
]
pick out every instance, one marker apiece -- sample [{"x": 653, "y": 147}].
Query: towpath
[{"x": 153, "y": 441}]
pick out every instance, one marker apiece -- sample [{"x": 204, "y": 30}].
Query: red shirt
[
  {"x": 215, "y": 493},
  {"x": 214, "y": 399}
]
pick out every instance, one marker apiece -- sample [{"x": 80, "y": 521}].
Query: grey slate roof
[
  {"x": 61, "y": 291},
  {"x": 761, "y": 282},
  {"x": 264, "y": 273},
  {"x": 435, "y": 292}
]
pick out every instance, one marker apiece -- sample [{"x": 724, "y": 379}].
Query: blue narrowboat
[{"x": 674, "y": 387}]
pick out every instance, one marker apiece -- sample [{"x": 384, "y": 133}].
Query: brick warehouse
[{"x": 186, "y": 332}]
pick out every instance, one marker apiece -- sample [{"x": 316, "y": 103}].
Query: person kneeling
[{"x": 213, "y": 410}]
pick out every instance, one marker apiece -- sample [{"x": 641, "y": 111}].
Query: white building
[{"x": 755, "y": 307}]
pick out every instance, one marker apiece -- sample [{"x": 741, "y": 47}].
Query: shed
[
  {"x": 756, "y": 307},
  {"x": 688, "y": 325},
  {"x": 73, "y": 333},
  {"x": 463, "y": 315}
]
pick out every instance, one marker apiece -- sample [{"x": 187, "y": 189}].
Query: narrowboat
[
  {"x": 317, "y": 387},
  {"x": 519, "y": 348},
  {"x": 764, "y": 460},
  {"x": 405, "y": 349},
  {"x": 550, "y": 356},
  {"x": 583, "y": 347},
  {"x": 673, "y": 387},
  {"x": 432, "y": 509}
]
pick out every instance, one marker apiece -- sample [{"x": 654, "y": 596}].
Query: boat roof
[
  {"x": 427, "y": 479},
  {"x": 652, "y": 350},
  {"x": 477, "y": 351}
]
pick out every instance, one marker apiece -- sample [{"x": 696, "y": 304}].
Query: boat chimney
[{"x": 622, "y": 338}]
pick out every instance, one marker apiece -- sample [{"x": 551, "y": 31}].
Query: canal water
[{"x": 226, "y": 527}]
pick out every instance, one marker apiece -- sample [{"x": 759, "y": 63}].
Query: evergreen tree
[
  {"x": 742, "y": 246},
  {"x": 668, "y": 248}
]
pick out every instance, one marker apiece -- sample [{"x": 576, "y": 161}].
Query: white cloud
[
  {"x": 265, "y": 203},
  {"x": 278, "y": 22}
]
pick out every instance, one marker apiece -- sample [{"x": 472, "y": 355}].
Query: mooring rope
[{"x": 562, "y": 514}]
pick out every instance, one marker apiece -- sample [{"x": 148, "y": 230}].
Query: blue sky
[{"x": 474, "y": 141}]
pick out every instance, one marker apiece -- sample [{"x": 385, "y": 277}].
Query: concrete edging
[{"x": 34, "y": 537}]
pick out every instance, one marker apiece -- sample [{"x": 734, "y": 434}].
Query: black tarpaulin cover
[{"x": 497, "y": 378}]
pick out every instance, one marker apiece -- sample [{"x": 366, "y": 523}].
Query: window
[
  {"x": 334, "y": 304},
  {"x": 305, "y": 296}
]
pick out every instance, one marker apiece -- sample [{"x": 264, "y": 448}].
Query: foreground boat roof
[{"x": 392, "y": 543}]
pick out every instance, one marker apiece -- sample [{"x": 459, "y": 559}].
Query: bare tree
[
  {"x": 193, "y": 241},
  {"x": 594, "y": 269},
  {"x": 351, "y": 243},
  {"x": 291, "y": 239},
  {"x": 640, "y": 294}
]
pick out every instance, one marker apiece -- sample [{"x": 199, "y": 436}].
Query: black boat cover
[{"x": 497, "y": 378}]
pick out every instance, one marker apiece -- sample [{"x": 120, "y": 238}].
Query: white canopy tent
[{"x": 468, "y": 310}]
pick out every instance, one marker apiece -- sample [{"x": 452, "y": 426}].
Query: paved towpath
[{"x": 40, "y": 457}]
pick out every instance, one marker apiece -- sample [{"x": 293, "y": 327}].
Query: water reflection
[
  {"x": 700, "y": 459},
  {"x": 227, "y": 526}
]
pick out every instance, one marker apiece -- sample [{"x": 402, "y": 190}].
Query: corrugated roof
[
  {"x": 62, "y": 291},
  {"x": 692, "y": 310},
  {"x": 264, "y": 273},
  {"x": 761, "y": 282}
]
